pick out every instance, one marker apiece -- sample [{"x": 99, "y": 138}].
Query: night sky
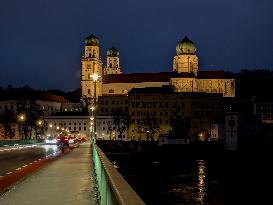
[{"x": 41, "y": 41}]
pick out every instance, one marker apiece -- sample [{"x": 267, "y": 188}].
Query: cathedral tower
[
  {"x": 91, "y": 64},
  {"x": 186, "y": 59},
  {"x": 112, "y": 65}
]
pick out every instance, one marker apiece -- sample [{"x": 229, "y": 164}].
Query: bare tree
[
  {"x": 120, "y": 121},
  {"x": 179, "y": 127},
  {"x": 110, "y": 129},
  {"x": 33, "y": 113},
  {"x": 6, "y": 119},
  {"x": 150, "y": 125}
]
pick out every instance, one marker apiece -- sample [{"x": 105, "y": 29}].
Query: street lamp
[
  {"x": 95, "y": 78},
  {"x": 39, "y": 122},
  {"x": 50, "y": 129},
  {"x": 39, "y": 128},
  {"x": 21, "y": 118}
]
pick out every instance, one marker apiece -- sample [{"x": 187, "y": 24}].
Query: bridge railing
[
  {"x": 113, "y": 188},
  {"x": 16, "y": 142}
]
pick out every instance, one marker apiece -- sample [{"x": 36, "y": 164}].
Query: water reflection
[
  {"x": 173, "y": 181},
  {"x": 202, "y": 190}
]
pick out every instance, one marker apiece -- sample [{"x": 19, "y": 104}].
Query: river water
[{"x": 180, "y": 178}]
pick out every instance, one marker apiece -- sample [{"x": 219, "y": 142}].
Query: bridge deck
[{"x": 68, "y": 180}]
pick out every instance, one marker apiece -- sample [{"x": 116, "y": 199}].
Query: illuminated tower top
[
  {"x": 112, "y": 65},
  {"x": 185, "y": 60},
  {"x": 92, "y": 41},
  {"x": 92, "y": 44},
  {"x": 186, "y": 46}
]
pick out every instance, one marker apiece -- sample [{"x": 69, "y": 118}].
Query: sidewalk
[{"x": 68, "y": 180}]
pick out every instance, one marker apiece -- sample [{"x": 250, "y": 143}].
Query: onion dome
[
  {"x": 113, "y": 52},
  {"x": 92, "y": 41},
  {"x": 186, "y": 46}
]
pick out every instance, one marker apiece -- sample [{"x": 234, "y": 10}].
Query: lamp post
[
  {"x": 95, "y": 78},
  {"x": 39, "y": 125},
  {"x": 21, "y": 119},
  {"x": 50, "y": 129}
]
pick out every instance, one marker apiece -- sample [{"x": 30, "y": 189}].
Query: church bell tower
[
  {"x": 186, "y": 61},
  {"x": 112, "y": 66},
  {"x": 91, "y": 64}
]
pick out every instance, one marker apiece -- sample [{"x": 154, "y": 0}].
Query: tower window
[
  {"x": 110, "y": 65},
  {"x": 89, "y": 91}
]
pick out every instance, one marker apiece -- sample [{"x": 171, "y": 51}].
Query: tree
[
  {"x": 120, "y": 121},
  {"x": 6, "y": 119},
  {"x": 110, "y": 129},
  {"x": 85, "y": 101},
  {"x": 33, "y": 113},
  {"x": 150, "y": 126},
  {"x": 180, "y": 127},
  {"x": 40, "y": 128}
]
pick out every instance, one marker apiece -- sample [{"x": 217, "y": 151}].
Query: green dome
[
  {"x": 92, "y": 41},
  {"x": 113, "y": 52},
  {"x": 186, "y": 46}
]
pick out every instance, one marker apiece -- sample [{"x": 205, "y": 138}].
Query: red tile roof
[
  {"x": 159, "y": 77},
  {"x": 214, "y": 74},
  {"x": 51, "y": 98},
  {"x": 143, "y": 77}
]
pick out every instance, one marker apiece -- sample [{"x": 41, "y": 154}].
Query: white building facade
[{"x": 78, "y": 125}]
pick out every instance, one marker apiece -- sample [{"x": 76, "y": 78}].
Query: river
[{"x": 182, "y": 178}]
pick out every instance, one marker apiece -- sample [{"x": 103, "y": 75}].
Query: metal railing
[
  {"x": 112, "y": 187},
  {"x": 16, "y": 142}
]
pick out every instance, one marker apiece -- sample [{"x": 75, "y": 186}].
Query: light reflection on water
[
  {"x": 202, "y": 181},
  {"x": 183, "y": 182}
]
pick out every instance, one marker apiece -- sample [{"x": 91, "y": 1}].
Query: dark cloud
[{"x": 41, "y": 41}]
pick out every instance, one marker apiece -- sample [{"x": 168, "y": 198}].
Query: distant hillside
[
  {"x": 253, "y": 83},
  {"x": 27, "y": 93}
]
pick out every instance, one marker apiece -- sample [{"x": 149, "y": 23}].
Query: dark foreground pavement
[{"x": 68, "y": 180}]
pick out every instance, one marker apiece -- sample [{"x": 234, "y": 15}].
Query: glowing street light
[
  {"x": 21, "y": 118},
  {"x": 39, "y": 122},
  {"x": 95, "y": 76},
  {"x": 92, "y": 108}
]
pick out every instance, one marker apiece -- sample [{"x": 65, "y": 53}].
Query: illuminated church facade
[{"x": 185, "y": 75}]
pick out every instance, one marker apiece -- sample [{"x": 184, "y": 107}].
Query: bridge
[{"x": 82, "y": 175}]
